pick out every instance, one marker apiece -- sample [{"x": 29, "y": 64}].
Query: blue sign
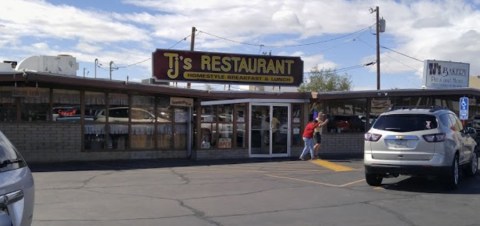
[{"x": 463, "y": 108}]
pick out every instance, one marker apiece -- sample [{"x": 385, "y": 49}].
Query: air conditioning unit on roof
[{"x": 61, "y": 64}]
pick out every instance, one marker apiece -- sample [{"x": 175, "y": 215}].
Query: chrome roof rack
[{"x": 432, "y": 108}]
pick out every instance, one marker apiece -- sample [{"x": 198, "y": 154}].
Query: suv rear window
[{"x": 406, "y": 122}]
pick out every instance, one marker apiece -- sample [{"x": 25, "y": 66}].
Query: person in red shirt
[{"x": 308, "y": 138}]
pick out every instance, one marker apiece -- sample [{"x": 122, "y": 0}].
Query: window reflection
[
  {"x": 35, "y": 103},
  {"x": 240, "y": 110},
  {"x": 164, "y": 136},
  {"x": 66, "y": 106},
  {"x": 94, "y": 131},
  {"x": 346, "y": 116},
  {"x": 181, "y": 128},
  {"x": 8, "y": 109},
  {"x": 297, "y": 125}
]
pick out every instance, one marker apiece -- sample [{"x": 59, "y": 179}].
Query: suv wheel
[
  {"x": 454, "y": 175},
  {"x": 373, "y": 179},
  {"x": 473, "y": 166}
]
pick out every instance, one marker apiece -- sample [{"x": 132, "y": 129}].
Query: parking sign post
[{"x": 463, "y": 108}]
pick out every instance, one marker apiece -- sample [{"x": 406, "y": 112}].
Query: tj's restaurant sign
[
  {"x": 192, "y": 66},
  {"x": 445, "y": 74}
]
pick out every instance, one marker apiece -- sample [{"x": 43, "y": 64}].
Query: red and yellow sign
[{"x": 190, "y": 66}]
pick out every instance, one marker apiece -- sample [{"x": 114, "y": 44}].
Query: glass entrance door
[{"x": 270, "y": 130}]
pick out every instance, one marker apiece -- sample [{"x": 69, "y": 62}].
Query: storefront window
[
  {"x": 142, "y": 136},
  {"x": 346, "y": 116},
  {"x": 164, "y": 112},
  {"x": 142, "y": 115},
  {"x": 225, "y": 126},
  {"x": 297, "y": 125},
  {"x": 164, "y": 123},
  {"x": 35, "y": 103},
  {"x": 66, "y": 106},
  {"x": 217, "y": 126},
  {"x": 94, "y": 132},
  {"x": 240, "y": 110},
  {"x": 208, "y": 130},
  {"x": 8, "y": 109},
  {"x": 181, "y": 128},
  {"x": 180, "y": 138},
  {"x": 118, "y": 115},
  {"x": 164, "y": 136}
]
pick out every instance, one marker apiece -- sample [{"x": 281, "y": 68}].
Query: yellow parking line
[{"x": 331, "y": 165}]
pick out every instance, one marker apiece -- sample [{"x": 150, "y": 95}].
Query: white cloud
[
  {"x": 317, "y": 61},
  {"x": 443, "y": 30},
  {"x": 41, "y": 19}
]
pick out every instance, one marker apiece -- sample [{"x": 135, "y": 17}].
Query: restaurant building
[{"x": 52, "y": 115}]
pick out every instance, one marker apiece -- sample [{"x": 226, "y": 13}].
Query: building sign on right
[{"x": 445, "y": 74}]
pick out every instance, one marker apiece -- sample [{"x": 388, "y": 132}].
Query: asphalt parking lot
[{"x": 254, "y": 192}]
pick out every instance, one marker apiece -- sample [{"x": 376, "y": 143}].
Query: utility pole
[
  {"x": 192, "y": 47},
  {"x": 380, "y": 27},
  {"x": 378, "y": 47},
  {"x": 111, "y": 62},
  {"x": 96, "y": 65}
]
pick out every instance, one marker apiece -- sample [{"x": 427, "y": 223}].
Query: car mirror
[{"x": 470, "y": 131}]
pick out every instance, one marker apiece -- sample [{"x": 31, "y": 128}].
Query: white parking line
[{"x": 316, "y": 182}]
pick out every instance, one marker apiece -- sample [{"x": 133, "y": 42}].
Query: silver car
[
  {"x": 420, "y": 142},
  {"x": 16, "y": 186}
]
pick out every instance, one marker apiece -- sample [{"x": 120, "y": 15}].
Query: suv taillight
[
  {"x": 438, "y": 137},
  {"x": 372, "y": 137}
]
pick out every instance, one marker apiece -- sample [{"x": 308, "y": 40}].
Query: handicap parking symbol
[{"x": 463, "y": 108}]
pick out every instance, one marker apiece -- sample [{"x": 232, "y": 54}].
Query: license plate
[{"x": 398, "y": 143}]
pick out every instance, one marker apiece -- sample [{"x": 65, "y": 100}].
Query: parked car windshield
[
  {"x": 405, "y": 122},
  {"x": 9, "y": 157}
]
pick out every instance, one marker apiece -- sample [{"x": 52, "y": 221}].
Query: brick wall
[
  {"x": 338, "y": 145},
  {"x": 204, "y": 154},
  {"x": 347, "y": 144},
  {"x": 61, "y": 142}
]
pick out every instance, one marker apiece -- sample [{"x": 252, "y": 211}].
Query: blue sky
[{"x": 338, "y": 34}]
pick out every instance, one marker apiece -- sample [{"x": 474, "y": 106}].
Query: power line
[
  {"x": 349, "y": 67},
  {"x": 129, "y": 65},
  {"x": 355, "y": 67},
  {"x": 405, "y": 55},
  {"x": 323, "y": 41},
  {"x": 183, "y": 39},
  {"x": 384, "y": 47},
  {"x": 142, "y": 61},
  {"x": 231, "y": 40},
  {"x": 287, "y": 46}
]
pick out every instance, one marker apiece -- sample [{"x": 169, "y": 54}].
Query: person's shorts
[{"x": 318, "y": 138}]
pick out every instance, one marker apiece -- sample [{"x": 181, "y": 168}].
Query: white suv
[{"x": 421, "y": 142}]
